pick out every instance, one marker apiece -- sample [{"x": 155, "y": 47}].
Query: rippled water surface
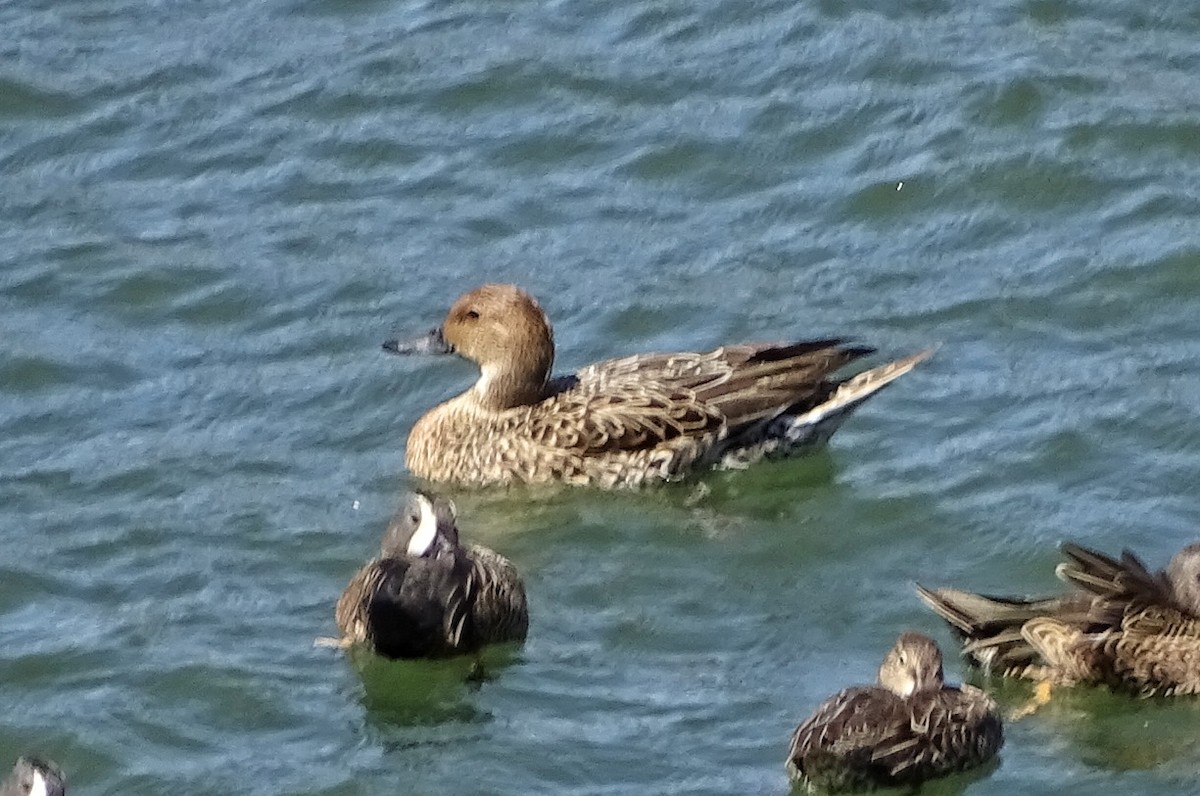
[{"x": 212, "y": 212}]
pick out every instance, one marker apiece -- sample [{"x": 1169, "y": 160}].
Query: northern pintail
[
  {"x": 622, "y": 422},
  {"x": 908, "y": 728},
  {"x": 1122, "y": 626},
  {"x": 428, "y": 596},
  {"x": 33, "y": 776}
]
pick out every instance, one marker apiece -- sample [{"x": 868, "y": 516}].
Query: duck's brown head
[
  {"x": 913, "y": 664},
  {"x": 504, "y": 331}
]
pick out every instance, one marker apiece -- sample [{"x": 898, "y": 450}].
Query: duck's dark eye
[
  {"x": 416, "y": 518},
  {"x": 473, "y": 315}
]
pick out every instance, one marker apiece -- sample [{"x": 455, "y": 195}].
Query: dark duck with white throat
[
  {"x": 34, "y": 776},
  {"x": 427, "y": 595}
]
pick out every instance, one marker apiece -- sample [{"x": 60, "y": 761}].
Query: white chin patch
[
  {"x": 487, "y": 373},
  {"x": 422, "y": 538},
  {"x": 38, "y": 788}
]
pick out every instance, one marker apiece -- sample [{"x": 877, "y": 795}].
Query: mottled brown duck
[
  {"x": 622, "y": 422},
  {"x": 909, "y": 728},
  {"x": 427, "y": 595},
  {"x": 1121, "y": 625}
]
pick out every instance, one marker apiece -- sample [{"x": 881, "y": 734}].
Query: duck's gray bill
[{"x": 431, "y": 342}]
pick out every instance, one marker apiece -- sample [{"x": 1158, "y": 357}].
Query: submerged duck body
[
  {"x": 427, "y": 596},
  {"x": 909, "y": 728},
  {"x": 1122, "y": 626},
  {"x": 622, "y": 422}
]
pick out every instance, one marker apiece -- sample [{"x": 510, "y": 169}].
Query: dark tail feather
[
  {"x": 972, "y": 613},
  {"x": 1108, "y": 577},
  {"x": 990, "y": 627}
]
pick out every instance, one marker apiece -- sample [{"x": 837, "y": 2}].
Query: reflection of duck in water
[
  {"x": 427, "y": 596},
  {"x": 909, "y": 728},
  {"x": 622, "y": 422},
  {"x": 1123, "y": 626},
  {"x": 32, "y": 776}
]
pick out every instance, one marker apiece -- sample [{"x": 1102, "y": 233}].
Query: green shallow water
[{"x": 213, "y": 212}]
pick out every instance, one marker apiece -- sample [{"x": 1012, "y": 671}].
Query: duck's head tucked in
[
  {"x": 32, "y": 776},
  {"x": 425, "y": 528},
  {"x": 914, "y": 664},
  {"x": 1184, "y": 574},
  {"x": 503, "y": 330}
]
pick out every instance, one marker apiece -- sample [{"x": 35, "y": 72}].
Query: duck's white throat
[
  {"x": 422, "y": 538},
  {"x": 38, "y": 787},
  {"x": 483, "y": 385}
]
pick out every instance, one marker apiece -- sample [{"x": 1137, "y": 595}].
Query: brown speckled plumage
[
  {"x": 622, "y": 422},
  {"x": 1123, "y": 626},
  {"x": 909, "y": 728},
  {"x": 447, "y": 600}
]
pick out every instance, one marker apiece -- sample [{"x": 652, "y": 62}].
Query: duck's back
[
  {"x": 421, "y": 608},
  {"x": 499, "y": 610},
  {"x": 961, "y": 730},
  {"x": 408, "y": 608},
  {"x": 656, "y": 417},
  {"x": 1159, "y": 651},
  {"x": 868, "y": 737},
  {"x": 1144, "y": 637},
  {"x": 834, "y": 749}
]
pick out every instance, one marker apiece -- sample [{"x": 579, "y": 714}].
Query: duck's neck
[{"x": 508, "y": 387}]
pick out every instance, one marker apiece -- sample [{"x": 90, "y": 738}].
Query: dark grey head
[
  {"x": 1184, "y": 574},
  {"x": 424, "y": 528},
  {"x": 33, "y": 776},
  {"x": 913, "y": 664}
]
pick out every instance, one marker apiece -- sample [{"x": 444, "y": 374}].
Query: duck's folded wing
[
  {"x": 351, "y": 610},
  {"x": 639, "y": 418},
  {"x": 773, "y": 379},
  {"x": 641, "y": 402},
  {"x": 1158, "y": 650},
  {"x": 499, "y": 609},
  {"x": 692, "y": 370},
  {"x": 846, "y": 729},
  {"x": 948, "y": 730}
]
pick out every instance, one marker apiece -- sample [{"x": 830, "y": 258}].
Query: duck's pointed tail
[
  {"x": 817, "y": 425},
  {"x": 1108, "y": 577},
  {"x": 991, "y": 628}
]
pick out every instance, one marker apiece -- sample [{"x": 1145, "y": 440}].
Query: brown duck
[
  {"x": 427, "y": 596},
  {"x": 1122, "y": 626},
  {"x": 909, "y": 728},
  {"x": 622, "y": 422}
]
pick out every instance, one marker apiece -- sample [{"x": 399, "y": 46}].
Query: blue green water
[{"x": 213, "y": 212}]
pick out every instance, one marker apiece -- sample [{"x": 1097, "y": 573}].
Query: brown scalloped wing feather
[
  {"x": 641, "y": 402},
  {"x": 1158, "y": 651},
  {"x": 351, "y": 611}
]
